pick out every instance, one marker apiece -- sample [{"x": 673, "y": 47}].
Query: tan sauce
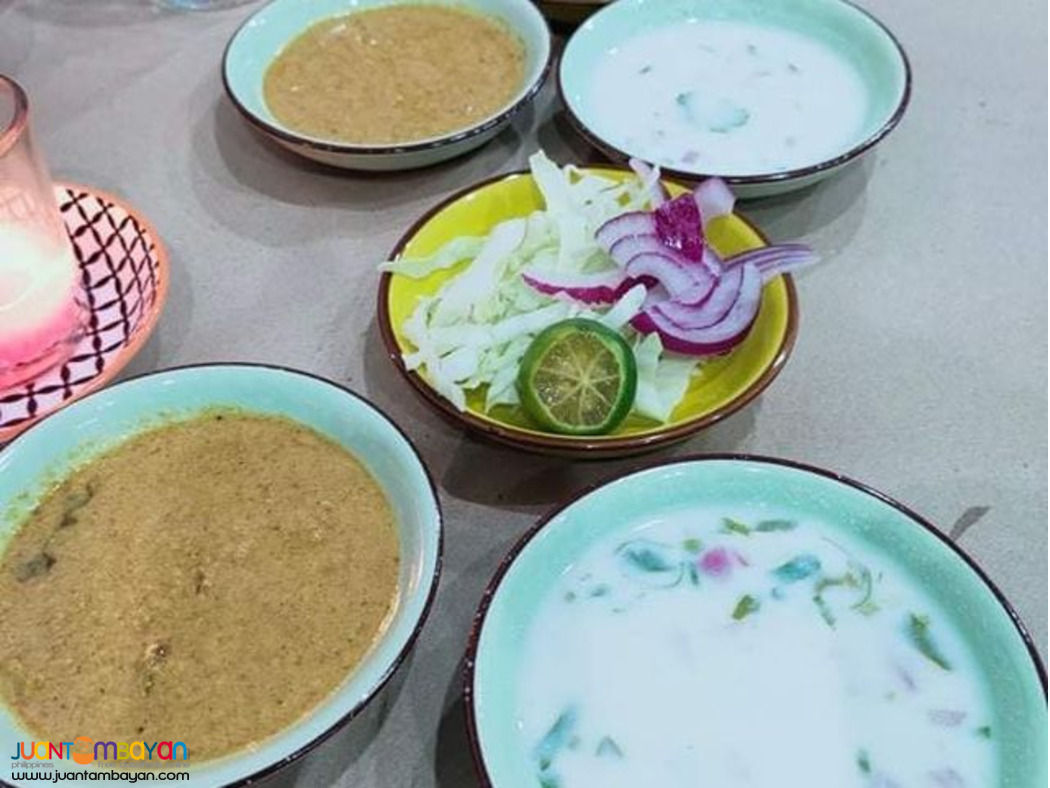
[
  {"x": 396, "y": 74},
  {"x": 209, "y": 581}
]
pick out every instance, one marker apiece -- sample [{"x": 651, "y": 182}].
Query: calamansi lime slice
[{"x": 578, "y": 378}]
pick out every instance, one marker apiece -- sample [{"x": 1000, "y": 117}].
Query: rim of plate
[
  {"x": 493, "y": 586},
  {"x": 599, "y": 446},
  {"x": 615, "y": 154},
  {"x": 333, "y": 146},
  {"x": 145, "y": 327},
  {"x": 433, "y": 579}
]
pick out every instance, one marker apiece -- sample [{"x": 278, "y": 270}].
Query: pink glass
[{"x": 41, "y": 302}]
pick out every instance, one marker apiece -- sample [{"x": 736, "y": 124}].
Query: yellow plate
[{"x": 722, "y": 386}]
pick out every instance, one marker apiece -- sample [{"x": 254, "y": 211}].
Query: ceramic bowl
[
  {"x": 848, "y": 31},
  {"x": 726, "y": 384},
  {"x": 260, "y": 39},
  {"x": 103, "y": 419},
  {"x": 125, "y": 272},
  {"x": 1005, "y": 656}
]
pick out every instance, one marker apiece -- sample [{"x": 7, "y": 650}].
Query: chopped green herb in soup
[{"x": 738, "y": 650}]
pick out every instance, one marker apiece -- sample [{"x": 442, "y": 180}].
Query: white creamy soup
[
  {"x": 736, "y": 649},
  {"x": 727, "y": 98}
]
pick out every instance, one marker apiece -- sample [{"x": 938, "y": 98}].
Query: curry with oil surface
[
  {"x": 209, "y": 581},
  {"x": 395, "y": 74}
]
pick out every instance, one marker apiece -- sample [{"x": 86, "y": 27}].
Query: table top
[{"x": 920, "y": 364}]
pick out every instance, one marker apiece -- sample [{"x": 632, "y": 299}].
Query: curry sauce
[
  {"x": 395, "y": 74},
  {"x": 210, "y": 581}
]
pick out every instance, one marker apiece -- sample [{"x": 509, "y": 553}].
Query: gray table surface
[{"x": 919, "y": 368}]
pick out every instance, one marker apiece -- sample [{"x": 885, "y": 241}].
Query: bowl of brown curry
[
  {"x": 211, "y": 568},
  {"x": 386, "y": 84}
]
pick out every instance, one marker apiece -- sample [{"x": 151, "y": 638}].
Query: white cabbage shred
[{"x": 474, "y": 331}]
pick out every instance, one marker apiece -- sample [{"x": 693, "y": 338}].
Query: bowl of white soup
[
  {"x": 771, "y": 95},
  {"x": 744, "y": 622}
]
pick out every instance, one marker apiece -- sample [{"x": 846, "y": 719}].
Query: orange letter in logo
[{"x": 83, "y": 752}]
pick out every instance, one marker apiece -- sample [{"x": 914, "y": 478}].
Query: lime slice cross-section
[{"x": 578, "y": 378}]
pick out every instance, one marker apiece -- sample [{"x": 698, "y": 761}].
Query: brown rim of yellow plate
[{"x": 594, "y": 447}]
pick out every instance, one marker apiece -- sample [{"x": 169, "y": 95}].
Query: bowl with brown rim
[
  {"x": 844, "y": 45},
  {"x": 264, "y": 35},
  {"x": 61, "y": 443}
]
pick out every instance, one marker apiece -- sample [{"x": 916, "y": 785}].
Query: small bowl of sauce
[
  {"x": 771, "y": 96},
  {"x": 386, "y": 85}
]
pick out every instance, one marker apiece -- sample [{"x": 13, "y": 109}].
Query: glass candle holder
[{"x": 41, "y": 298}]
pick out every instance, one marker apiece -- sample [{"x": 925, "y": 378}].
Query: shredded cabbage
[
  {"x": 662, "y": 377},
  {"x": 474, "y": 331},
  {"x": 462, "y": 248}
]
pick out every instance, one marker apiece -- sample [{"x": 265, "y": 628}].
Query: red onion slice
[
  {"x": 720, "y": 337},
  {"x": 599, "y": 288},
  {"x": 678, "y": 226},
  {"x": 630, "y": 246},
  {"x": 623, "y": 250},
  {"x": 713, "y": 261},
  {"x": 714, "y": 198},
  {"x": 624, "y": 226},
  {"x": 682, "y": 280},
  {"x": 775, "y": 259},
  {"x": 708, "y": 311},
  {"x": 647, "y": 258}
]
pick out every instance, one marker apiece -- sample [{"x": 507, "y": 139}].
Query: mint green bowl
[
  {"x": 58, "y": 443},
  {"x": 261, "y": 38},
  {"x": 847, "y": 30},
  {"x": 1005, "y": 654}
]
